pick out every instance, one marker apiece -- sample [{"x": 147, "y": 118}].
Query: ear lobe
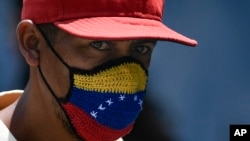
[{"x": 28, "y": 40}]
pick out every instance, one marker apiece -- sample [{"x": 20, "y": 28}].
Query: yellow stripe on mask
[{"x": 126, "y": 78}]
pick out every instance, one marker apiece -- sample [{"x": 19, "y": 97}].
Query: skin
[{"x": 33, "y": 115}]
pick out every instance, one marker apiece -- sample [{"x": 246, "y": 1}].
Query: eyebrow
[{"x": 145, "y": 41}]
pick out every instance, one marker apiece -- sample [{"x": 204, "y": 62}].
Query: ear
[{"x": 28, "y": 41}]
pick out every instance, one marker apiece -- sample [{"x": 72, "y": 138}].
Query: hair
[{"x": 50, "y": 31}]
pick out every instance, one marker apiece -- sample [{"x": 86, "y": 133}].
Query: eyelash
[
  {"x": 100, "y": 46},
  {"x": 148, "y": 49},
  {"x": 105, "y": 45}
]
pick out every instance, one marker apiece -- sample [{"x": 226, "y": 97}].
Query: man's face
[{"x": 86, "y": 54}]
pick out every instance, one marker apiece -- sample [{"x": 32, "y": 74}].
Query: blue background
[
  {"x": 205, "y": 89},
  {"x": 200, "y": 91}
]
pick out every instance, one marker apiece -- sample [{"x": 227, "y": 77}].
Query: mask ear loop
[
  {"x": 51, "y": 47},
  {"x": 59, "y": 57}
]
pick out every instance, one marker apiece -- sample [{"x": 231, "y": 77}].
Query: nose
[
  {"x": 126, "y": 48},
  {"x": 122, "y": 48}
]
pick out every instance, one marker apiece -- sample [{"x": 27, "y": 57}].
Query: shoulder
[
  {"x": 120, "y": 139},
  {"x": 8, "y": 97},
  {"x": 5, "y": 134}
]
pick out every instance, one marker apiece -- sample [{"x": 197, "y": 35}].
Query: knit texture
[{"x": 103, "y": 106}]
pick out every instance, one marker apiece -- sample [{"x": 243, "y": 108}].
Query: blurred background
[
  {"x": 194, "y": 94},
  {"x": 12, "y": 66}
]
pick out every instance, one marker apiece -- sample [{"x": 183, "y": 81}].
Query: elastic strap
[
  {"x": 51, "y": 47},
  {"x": 46, "y": 83},
  {"x": 57, "y": 55}
]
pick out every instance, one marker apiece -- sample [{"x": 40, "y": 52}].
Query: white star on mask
[
  {"x": 109, "y": 102},
  {"x": 101, "y": 107},
  {"x": 122, "y": 97},
  {"x": 94, "y": 114}
]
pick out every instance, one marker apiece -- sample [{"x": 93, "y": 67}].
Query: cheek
[
  {"x": 147, "y": 63},
  {"x": 87, "y": 58},
  {"x": 57, "y": 76},
  {"x": 145, "y": 60},
  {"x": 62, "y": 81}
]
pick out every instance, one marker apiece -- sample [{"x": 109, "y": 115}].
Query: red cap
[{"x": 105, "y": 19}]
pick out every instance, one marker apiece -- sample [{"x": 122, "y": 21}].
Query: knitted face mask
[{"x": 103, "y": 103}]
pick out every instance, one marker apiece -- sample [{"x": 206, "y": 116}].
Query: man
[{"x": 88, "y": 68}]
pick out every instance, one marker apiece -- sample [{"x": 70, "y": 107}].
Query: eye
[
  {"x": 142, "y": 49},
  {"x": 100, "y": 45}
]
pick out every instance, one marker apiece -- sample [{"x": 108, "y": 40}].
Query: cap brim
[{"x": 122, "y": 28}]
